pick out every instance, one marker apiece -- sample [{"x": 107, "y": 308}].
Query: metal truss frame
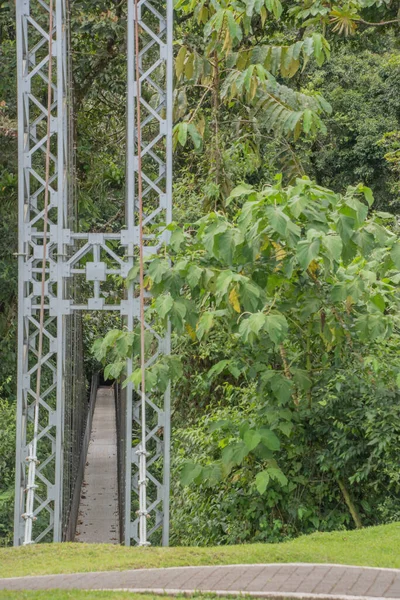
[{"x": 87, "y": 260}]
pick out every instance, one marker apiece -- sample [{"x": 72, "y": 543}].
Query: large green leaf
[
  {"x": 177, "y": 314},
  {"x": 395, "y": 254},
  {"x": 269, "y": 439},
  {"x": 234, "y": 453},
  {"x": 282, "y": 388},
  {"x": 333, "y": 246},
  {"x": 164, "y": 304},
  {"x": 250, "y": 328},
  {"x": 262, "y": 481},
  {"x": 189, "y": 472},
  {"x": 204, "y": 324},
  {"x": 250, "y": 295},
  {"x": 218, "y": 368},
  {"x": 276, "y": 327},
  {"x": 307, "y": 251},
  {"x": 252, "y": 438},
  {"x": 158, "y": 268},
  {"x": 301, "y": 378},
  {"x": 277, "y": 475},
  {"x": 193, "y": 275},
  {"x": 114, "y": 370},
  {"x": 277, "y": 219}
]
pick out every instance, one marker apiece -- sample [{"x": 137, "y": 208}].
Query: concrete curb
[{"x": 230, "y": 594}]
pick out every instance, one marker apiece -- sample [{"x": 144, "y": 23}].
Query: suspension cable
[
  {"x": 32, "y": 458},
  {"x": 142, "y": 451}
]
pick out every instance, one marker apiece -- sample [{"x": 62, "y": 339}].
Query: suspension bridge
[{"x": 64, "y": 272}]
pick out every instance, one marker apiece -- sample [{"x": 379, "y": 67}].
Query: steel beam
[
  {"x": 155, "y": 90},
  {"x": 33, "y": 62},
  {"x": 91, "y": 258}
]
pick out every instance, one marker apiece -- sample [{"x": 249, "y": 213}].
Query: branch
[
  {"x": 378, "y": 24},
  {"x": 180, "y": 20},
  {"x": 350, "y": 504},
  {"x": 110, "y": 221},
  {"x": 8, "y": 131},
  {"x": 199, "y": 104}
]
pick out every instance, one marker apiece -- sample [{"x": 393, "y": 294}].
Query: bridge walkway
[{"x": 98, "y": 519}]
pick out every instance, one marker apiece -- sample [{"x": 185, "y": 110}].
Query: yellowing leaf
[
  {"x": 349, "y": 304},
  {"x": 189, "y": 66},
  {"x": 280, "y": 252},
  {"x": 265, "y": 244},
  {"x": 148, "y": 282},
  {"x": 202, "y": 15},
  {"x": 313, "y": 267},
  {"x": 253, "y": 88},
  {"x": 204, "y": 324},
  {"x": 201, "y": 126},
  {"x": 242, "y": 60},
  {"x": 263, "y": 14},
  {"x": 180, "y": 61},
  {"x": 191, "y": 332},
  {"x": 227, "y": 42},
  {"x": 234, "y": 300}
]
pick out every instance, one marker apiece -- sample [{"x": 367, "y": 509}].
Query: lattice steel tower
[{"x": 72, "y": 258}]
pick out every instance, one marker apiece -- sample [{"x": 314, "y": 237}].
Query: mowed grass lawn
[{"x": 373, "y": 547}]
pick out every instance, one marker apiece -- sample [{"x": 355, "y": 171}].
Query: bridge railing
[
  {"x": 120, "y": 411},
  {"x": 75, "y": 457}
]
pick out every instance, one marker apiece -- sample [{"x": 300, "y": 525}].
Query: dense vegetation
[{"x": 283, "y": 293}]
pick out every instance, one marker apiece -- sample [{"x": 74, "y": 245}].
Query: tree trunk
[{"x": 350, "y": 504}]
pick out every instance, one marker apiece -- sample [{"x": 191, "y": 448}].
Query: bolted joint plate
[
  {"x": 59, "y": 307},
  {"x": 96, "y": 271}
]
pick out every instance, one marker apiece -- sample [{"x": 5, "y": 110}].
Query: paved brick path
[{"x": 288, "y": 580}]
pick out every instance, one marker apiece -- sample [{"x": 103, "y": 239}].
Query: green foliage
[
  {"x": 362, "y": 85},
  {"x": 7, "y": 462},
  {"x": 8, "y": 200},
  {"x": 233, "y": 67},
  {"x": 292, "y": 281},
  {"x": 349, "y": 430}
]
